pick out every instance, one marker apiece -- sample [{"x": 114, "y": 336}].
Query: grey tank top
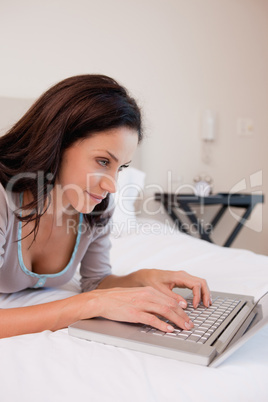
[{"x": 91, "y": 250}]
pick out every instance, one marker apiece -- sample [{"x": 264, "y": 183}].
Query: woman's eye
[
  {"x": 104, "y": 162},
  {"x": 123, "y": 167}
]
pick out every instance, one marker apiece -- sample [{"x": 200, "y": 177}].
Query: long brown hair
[{"x": 71, "y": 110}]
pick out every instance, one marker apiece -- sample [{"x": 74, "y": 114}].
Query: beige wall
[{"x": 178, "y": 58}]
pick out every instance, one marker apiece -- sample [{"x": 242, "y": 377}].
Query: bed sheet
[
  {"x": 152, "y": 244},
  {"x": 52, "y": 366}
]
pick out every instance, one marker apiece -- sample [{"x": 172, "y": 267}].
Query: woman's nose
[{"x": 108, "y": 183}]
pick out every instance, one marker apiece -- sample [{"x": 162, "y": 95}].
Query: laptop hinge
[{"x": 242, "y": 319}]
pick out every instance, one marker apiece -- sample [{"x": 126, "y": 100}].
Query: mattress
[{"x": 53, "y": 366}]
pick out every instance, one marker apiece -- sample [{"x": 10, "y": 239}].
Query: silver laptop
[{"x": 218, "y": 330}]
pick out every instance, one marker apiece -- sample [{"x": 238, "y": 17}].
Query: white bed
[{"x": 57, "y": 367}]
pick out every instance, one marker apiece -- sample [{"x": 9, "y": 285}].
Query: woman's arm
[
  {"x": 125, "y": 281},
  {"x": 130, "y": 304},
  {"x": 48, "y": 316},
  {"x": 138, "y": 305}
]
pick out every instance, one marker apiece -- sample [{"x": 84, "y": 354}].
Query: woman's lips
[{"x": 96, "y": 198}]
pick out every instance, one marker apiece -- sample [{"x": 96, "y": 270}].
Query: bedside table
[{"x": 173, "y": 202}]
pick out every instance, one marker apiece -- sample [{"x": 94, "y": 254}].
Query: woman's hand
[
  {"x": 152, "y": 298},
  {"x": 165, "y": 281},
  {"x": 140, "y": 305}
]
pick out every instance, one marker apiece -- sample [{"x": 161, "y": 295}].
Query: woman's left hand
[{"x": 165, "y": 281}]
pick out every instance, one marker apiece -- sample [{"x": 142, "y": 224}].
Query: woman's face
[{"x": 90, "y": 168}]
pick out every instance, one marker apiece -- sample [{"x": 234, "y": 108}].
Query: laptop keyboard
[{"x": 206, "y": 321}]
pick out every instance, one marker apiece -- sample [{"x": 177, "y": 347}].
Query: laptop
[{"x": 218, "y": 330}]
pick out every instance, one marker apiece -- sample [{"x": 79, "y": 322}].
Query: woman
[{"x": 58, "y": 165}]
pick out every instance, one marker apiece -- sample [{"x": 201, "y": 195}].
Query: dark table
[{"x": 175, "y": 202}]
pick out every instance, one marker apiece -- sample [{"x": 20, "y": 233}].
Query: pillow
[{"x": 130, "y": 184}]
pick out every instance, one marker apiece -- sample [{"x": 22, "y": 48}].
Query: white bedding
[{"x": 56, "y": 367}]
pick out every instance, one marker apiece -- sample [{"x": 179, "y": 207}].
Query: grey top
[{"x": 91, "y": 250}]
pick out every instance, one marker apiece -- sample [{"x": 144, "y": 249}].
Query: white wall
[{"x": 178, "y": 58}]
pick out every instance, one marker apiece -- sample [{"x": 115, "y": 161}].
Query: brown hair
[{"x": 71, "y": 110}]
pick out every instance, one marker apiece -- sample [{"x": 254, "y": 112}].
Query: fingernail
[
  {"x": 182, "y": 304},
  {"x": 189, "y": 324},
  {"x": 170, "y": 328}
]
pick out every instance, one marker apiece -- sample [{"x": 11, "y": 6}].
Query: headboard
[{"x": 11, "y": 110}]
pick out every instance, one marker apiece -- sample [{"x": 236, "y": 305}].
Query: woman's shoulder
[
  {"x": 3, "y": 206},
  {"x": 9, "y": 202},
  {"x": 3, "y": 196}
]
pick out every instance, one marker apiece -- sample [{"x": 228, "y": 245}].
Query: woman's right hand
[
  {"x": 140, "y": 305},
  {"x": 137, "y": 305}
]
